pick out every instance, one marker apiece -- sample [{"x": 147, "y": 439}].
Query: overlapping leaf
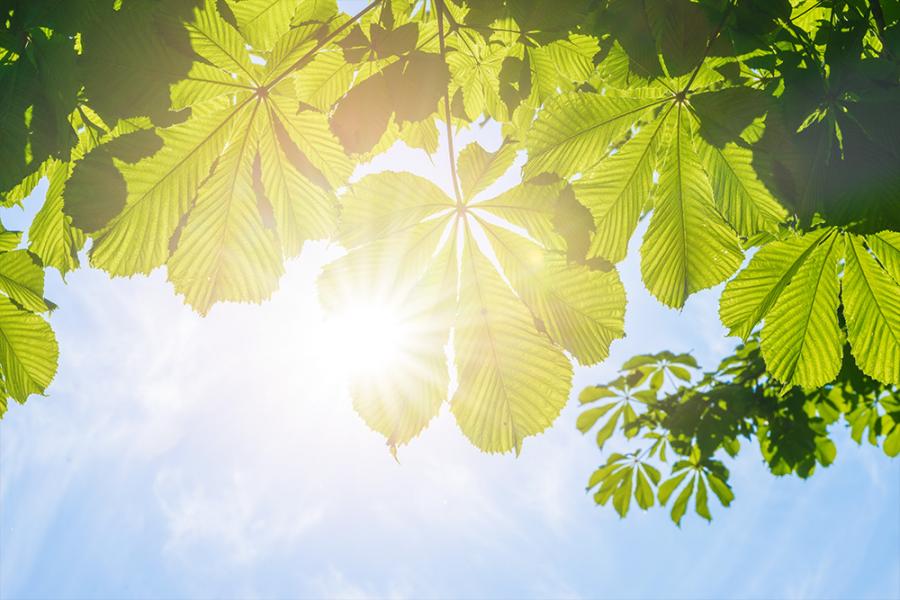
[
  {"x": 619, "y": 144},
  {"x": 793, "y": 286},
  {"x": 223, "y": 200},
  {"x": 515, "y": 304},
  {"x": 28, "y": 349}
]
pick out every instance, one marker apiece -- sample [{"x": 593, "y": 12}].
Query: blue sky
[{"x": 180, "y": 457}]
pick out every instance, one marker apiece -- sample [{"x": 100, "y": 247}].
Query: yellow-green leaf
[{"x": 872, "y": 310}]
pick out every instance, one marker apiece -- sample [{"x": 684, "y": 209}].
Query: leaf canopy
[{"x": 213, "y": 138}]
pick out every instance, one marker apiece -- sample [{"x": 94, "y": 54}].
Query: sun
[{"x": 368, "y": 338}]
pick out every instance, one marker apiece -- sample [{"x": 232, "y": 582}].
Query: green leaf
[
  {"x": 160, "y": 189},
  {"x": 219, "y": 43},
  {"x": 622, "y": 496},
  {"x": 479, "y": 168},
  {"x": 688, "y": 245},
  {"x": 588, "y": 418},
  {"x": 617, "y": 192},
  {"x": 679, "y": 372},
  {"x": 531, "y": 207},
  {"x": 670, "y": 485},
  {"x": 22, "y": 279},
  {"x": 131, "y": 55},
  {"x": 643, "y": 492},
  {"x": 721, "y": 489},
  {"x": 512, "y": 381},
  {"x": 605, "y": 432},
  {"x": 582, "y": 310},
  {"x": 225, "y": 251},
  {"x": 603, "y": 472},
  {"x": 701, "y": 503},
  {"x": 594, "y": 393},
  {"x": 382, "y": 205},
  {"x": 892, "y": 442},
  {"x": 9, "y": 240},
  {"x": 681, "y": 502},
  {"x": 309, "y": 130},
  {"x": 28, "y": 351},
  {"x": 302, "y": 210},
  {"x": 401, "y": 402},
  {"x": 886, "y": 246},
  {"x": 652, "y": 472},
  {"x": 512, "y": 378},
  {"x": 263, "y": 22},
  {"x": 324, "y": 80},
  {"x": 639, "y": 360},
  {"x": 235, "y": 186},
  {"x": 801, "y": 340},
  {"x": 612, "y": 484},
  {"x": 742, "y": 198},
  {"x": 752, "y": 294},
  {"x": 475, "y": 67},
  {"x": 872, "y": 310},
  {"x": 574, "y": 131},
  {"x": 51, "y": 236}
]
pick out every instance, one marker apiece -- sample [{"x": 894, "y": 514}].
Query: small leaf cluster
[{"x": 681, "y": 425}]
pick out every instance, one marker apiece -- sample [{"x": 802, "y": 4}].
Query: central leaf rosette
[
  {"x": 489, "y": 274},
  {"x": 226, "y": 198}
]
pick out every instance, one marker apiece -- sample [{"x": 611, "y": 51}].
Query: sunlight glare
[{"x": 367, "y": 338}]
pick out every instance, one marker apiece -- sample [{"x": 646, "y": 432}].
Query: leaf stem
[{"x": 441, "y": 11}]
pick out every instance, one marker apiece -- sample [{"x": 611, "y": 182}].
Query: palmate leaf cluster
[
  {"x": 213, "y": 138},
  {"x": 681, "y": 425}
]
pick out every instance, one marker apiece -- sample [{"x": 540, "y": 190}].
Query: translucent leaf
[
  {"x": 400, "y": 403},
  {"x": 605, "y": 432},
  {"x": 643, "y": 492},
  {"x": 264, "y": 21},
  {"x": 479, "y": 168},
  {"x": 160, "y": 189},
  {"x": 51, "y": 235},
  {"x": 872, "y": 310},
  {"x": 801, "y": 340},
  {"x": 669, "y": 486},
  {"x": 225, "y": 251},
  {"x": 688, "y": 245},
  {"x": 886, "y": 246},
  {"x": 381, "y": 205},
  {"x": 622, "y": 496},
  {"x": 581, "y": 309},
  {"x": 302, "y": 210},
  {"x": 324, "y": 80},
  {"x": 574, "y": 131},
  {"x": 680, "y": 505},
  {"x": 749, "y": 296},
  {"x": 721, "y": 489},
  {"x": 22, "y": 279},
  {"x": 742, "y": 198},
  {"x": 701, "y": 502},
  {"x": 617, "y": 191},
  {"x": 28, "y": 351},
  {"x": 588, "y": 418},
  {"x": 219, "y": 43},
  {"x": 512, "y": 381}
]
